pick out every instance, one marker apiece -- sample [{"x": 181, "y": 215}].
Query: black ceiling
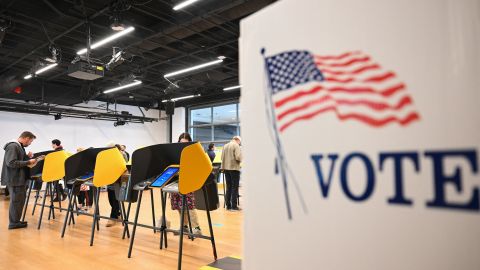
[{"x": 164, "y": 40}]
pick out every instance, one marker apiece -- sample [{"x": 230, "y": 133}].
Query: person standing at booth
[
  {"x": 231, "y": 159},
  {"x": 112, "y": 198},
  {"x": 176, "y": 200},
  {"x": 211, "y": 152},
  {"x": 57, "y": 146},
  {"x": 15, "y": 173}
]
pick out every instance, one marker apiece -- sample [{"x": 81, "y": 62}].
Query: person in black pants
[
  {"x": 57, "y": 146},
  {"x": 231, "y": 159},
  {"x": 112, "y": 198},
  {"x": 15, "y": 174}
]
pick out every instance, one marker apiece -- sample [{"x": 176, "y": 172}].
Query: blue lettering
[
  {"x": 440, "y": 179},
  {"x": 370, "y": 177},
  {"x": 324, "y": 187},
  {"x": 399, "y": 197}
]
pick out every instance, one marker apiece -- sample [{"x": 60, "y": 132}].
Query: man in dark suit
[{"x": 14, "y": 175}]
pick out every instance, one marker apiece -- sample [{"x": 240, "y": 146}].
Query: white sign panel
[{"x": 361, "y": 132}]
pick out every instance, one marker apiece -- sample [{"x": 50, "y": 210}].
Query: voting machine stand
[
  {"x": 105, "y": 165},
  {"x": 53, "y": 170},
  {"x": 147, "y": 163},
  {"x": 35, "y": 175},
  {"x": 195, "y": 169}
]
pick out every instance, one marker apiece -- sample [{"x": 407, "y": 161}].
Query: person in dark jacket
[
  {"x": 57, "y": 146},
  {"x": 211, "y": 152},
  {"x": 14, "y": 175}
]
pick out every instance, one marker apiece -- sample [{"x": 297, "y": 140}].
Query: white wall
[
  {"x": 178, "y": 122},
  {"x": 85, "y": 133}
]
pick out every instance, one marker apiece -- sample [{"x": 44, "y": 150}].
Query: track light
[
  {"x": 232, "y": 88},
  {"x": 184, "y": 4},
  {"x": 41, "y": 70},
  {"x": 135, "y": 82},
  {"x": 171, "y": 74},
  {"x": 180, "y": 98},
  {"x": 117, "y": 59},
  {"x": 108, "y": 39}
]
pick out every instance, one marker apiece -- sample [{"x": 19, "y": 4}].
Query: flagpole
[{"x": 279, "y": 149}]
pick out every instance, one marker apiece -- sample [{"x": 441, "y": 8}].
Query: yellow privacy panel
[
  {"x": 195, "y": 167},
  {"x": 109, "y": 166},
  {"x": 54, "y": 166}
]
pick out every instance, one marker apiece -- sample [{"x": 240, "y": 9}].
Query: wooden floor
[{"x": 30, "y": 248}]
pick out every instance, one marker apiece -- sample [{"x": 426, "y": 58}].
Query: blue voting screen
[{"x": 164, "y": 177}]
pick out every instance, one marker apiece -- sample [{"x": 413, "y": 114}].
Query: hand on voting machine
[{"x": 37, "y": 159}]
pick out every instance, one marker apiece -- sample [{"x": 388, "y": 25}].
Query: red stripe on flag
[
  {"x": 355, "y": 116},
  {"x": 336, "y": 57},
  {"x": 345, "y": 64},
  {"x": 377, "y": 106},
  {"x": 353, "y": 72},
  {"x": 372, "y": 79},
  {"x": 353, "y": 90}
]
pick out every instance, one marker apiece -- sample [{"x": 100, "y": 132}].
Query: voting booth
[
  {"x": 95, "y": 167},
  {"x": 157, "y": 168}
]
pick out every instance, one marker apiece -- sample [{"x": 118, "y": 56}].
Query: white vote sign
[{"x": 361, "y": 132}]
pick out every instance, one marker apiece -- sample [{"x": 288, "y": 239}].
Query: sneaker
[
  {"x": 111, "y": 223},
  {"x": 197, "y": 231},
  {"x": 185, "y": 230}
]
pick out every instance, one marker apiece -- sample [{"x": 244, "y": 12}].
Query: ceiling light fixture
[
  {"x": 184, "y": 4},
  {"x": 28, "y": 76},
  {"x": 232, "y": 88},
  {"x": 218, "y": 61},
  {"x": 135, "y": 82},
  {"x": 108, "y": 39},
  {"x": 180, "y": 98}
]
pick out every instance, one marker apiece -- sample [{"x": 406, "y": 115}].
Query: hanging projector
[{"x": 85, "y": 71}]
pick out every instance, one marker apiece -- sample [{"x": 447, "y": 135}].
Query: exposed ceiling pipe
[{"x": 53, "y": 39}]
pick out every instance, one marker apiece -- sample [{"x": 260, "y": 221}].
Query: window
[{"x": 217, "y": 123}]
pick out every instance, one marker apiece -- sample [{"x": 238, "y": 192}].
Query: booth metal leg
[
  {"x": 180, "y": 248},
  {"x": 27, "y": 200},
  {"x": 212, "y": 238},
  {"x": 164, "y": 221},
  {"x": 43, "y": 206},
  {"x": 126, "y": 220},
  {"x": 69, "y": 211},
  {"x": 135, "y": 224},
  {"x": 51, "y": 212},
  {"x": 95, "y": 216},
  {"x": 74, "y": 207},
  {"x": 153, "y": 210},
  {"x": 36, "y": 199},
  {"x": 59, "y": 197}
]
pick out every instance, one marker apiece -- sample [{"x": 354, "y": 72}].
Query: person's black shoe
[
  {"x": 236, "y": 209},
  {"x": 64, "y": 196},
  {"x": 24, "y": 222},
  {"x": 55, "y": 199},
  {"x": 17, "y": 226}
]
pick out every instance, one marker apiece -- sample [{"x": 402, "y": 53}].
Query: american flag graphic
[{"x": 351, "y": 85}]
